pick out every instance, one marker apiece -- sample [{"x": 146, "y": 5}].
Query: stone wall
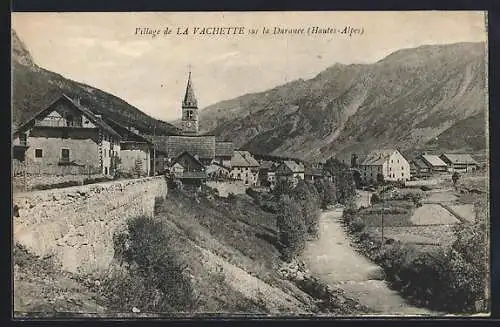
[{"x": 75, "y": 225}]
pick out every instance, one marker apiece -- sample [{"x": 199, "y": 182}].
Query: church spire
[{"x": 189, "y": 98}]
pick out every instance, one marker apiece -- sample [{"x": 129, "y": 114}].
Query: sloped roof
[
  {"x": 460, "y": 158},
  {"x": 243, "y": 159},
  {"x": 419, "y": 163},
  {"x": 185, "y": 153},
  {"x": 85, "y": 111},
  {"x": 294, "y": 167},
  {"x": 377, "y": 157},
  {"x": 175, "y": 145},
  {"x": 224, "y": 149},
  {"x": 189, "y": 97},
  {"x": 433, "y": 160},
  {"x": 266, "y": 165},
  {"x": 215, "y": 167},
  {"x": 127, "y": 134}
]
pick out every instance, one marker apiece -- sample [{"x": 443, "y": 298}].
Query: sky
[{"x": 103, "y": 49}]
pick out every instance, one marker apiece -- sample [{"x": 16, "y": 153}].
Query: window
[
  {"x": 402, "y": 174},
  {"x": 402, "y": 168},
  {"x": 105, "y": 170},
  {"x": 38, "y": 153},
  {"x": 65, "y": 155},
  {"x": 398, "y": 160},
  {"x": 69, "y": 120},
  {"x": 23, "y": 139},
  {"x": 392, "y": 161},
  {"x": 109, "y": 151},
  {"x": 390, "y": 168}
]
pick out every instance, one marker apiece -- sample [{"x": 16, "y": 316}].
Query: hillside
[
  {"x": 223, "y": 256},
  {"x": 406, "y": 100},
  {"x": 34, "y": 87}
]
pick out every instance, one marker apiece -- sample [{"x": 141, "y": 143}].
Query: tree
[
  {"x": 306, "y": 195},
  {"x": 455, "y": 177},
  {"x": 291, "y": 227}
]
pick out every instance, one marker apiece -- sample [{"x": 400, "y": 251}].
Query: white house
[{"x": 389, "y": 163}]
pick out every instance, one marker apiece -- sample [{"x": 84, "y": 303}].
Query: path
[{"x": 334, "y": 260}]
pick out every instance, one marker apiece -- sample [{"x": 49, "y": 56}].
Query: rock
[{"x": 376, "y": 274}]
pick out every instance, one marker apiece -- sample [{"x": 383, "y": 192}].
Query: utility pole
[
  {"x": 383, "y": 210},
  {"x": 154, "y": 151}
]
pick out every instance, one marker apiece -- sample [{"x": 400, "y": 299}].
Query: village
[{"x": 66, "y": 140}]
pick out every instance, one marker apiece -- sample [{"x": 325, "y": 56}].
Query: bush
[
  {"x": 374, "y": 199},
  {"x": 425, "y": 188},
  {"x": 155, "y": 279},
  {"x": 357, "y": 225}
]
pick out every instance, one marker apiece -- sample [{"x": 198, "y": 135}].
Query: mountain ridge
[{"x": 404, "y": 100}]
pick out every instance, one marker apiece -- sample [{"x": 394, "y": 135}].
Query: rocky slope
[
  {"x": 407, "y": 100},
  {"x": 34, "y": 87}
]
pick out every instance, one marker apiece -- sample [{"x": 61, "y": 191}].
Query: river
[{"x": 332, "y": 258}]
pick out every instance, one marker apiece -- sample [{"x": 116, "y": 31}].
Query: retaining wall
[{"x": 75, "y": 225}]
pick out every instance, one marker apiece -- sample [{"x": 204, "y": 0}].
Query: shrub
[
  {"x": 374, "y": 199},
  {"x": 56, "y": 185},
  {"x": 357, "y": 225},
  {"x": 425, "y": 188},
  {"x": 156, "y": 278}
]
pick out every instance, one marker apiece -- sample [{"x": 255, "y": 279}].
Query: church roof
[
  {"x": 201, "y": 146},
  {"x": 189, "y": 97}
]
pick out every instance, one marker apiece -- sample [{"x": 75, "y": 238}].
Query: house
[
  {"x": 217, "y": 171},
  {"x": 434, "y": 163},
  {"x": 291, "y": 171},
  {"x": 66, "y": 138},
  {"x": 135, "y": 150},
  {"x": 223, "y": 153},
  {"x": 244, "y": 167},
  {"x": 188, "y": 169},
  {"x": 459, "y": 162},
  {"x": 419, "y": 169},
  {"x": 312, "y": 173},
  {"x": 267, "y": 174},
  {"x": 386, "y": 163}
]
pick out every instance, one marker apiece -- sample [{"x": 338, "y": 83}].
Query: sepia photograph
[{"x": 250, "y": 164}]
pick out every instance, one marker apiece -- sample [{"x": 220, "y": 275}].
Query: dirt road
[{"x": 334, "y": 260}]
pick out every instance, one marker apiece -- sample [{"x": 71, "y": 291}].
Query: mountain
[
  {"x": 412, "y": 99},
  {"x": 33, "y": 88}
]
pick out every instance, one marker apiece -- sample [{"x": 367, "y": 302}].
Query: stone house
[
  {"x": 66, "y": 138},
  {"x": 245, "y": 167},
  {"x": 188, "y": 169},
  {"x": 135, "y": 151},
  {"x": 388, "y": 163},
  {"x": 291, "y": 171},
  {"x": 435, "y": 164}
]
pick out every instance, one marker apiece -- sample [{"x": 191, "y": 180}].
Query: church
[{"x": 203, "y": 148}]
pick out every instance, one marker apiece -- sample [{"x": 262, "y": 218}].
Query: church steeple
[
  {"x": 189, "y": 97},
  {"x": 189, "y": 109}
]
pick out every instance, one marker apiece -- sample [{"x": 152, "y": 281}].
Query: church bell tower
[{"x": 190, "y": 110}]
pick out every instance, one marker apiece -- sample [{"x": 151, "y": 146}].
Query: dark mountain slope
[{"x": 33, "y": 88}]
